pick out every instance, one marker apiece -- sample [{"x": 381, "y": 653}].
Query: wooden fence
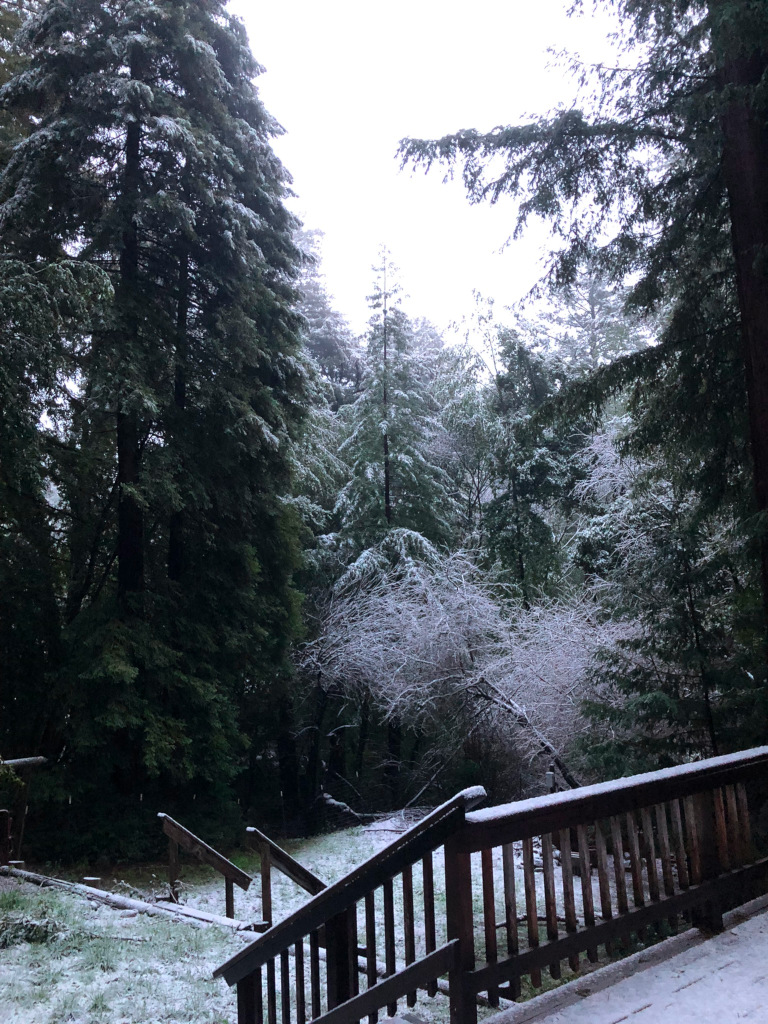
[{"x": 666, "y": 848}]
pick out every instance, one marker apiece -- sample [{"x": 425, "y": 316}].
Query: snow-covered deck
[{"x": 688, "y": 979}]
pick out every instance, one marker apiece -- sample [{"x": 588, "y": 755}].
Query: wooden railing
[
  {"x": 362, "y": 903},
  {"x": 271, "y": 855},
  {"x": 665, "y": 848},
  {"x": 682, "y": 835},
  {"x": 180, "y": 837}
]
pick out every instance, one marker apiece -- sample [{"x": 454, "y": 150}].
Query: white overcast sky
[{"x": 347, "y": 79}]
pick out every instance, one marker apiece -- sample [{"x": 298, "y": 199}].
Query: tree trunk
[
  {"x": 176, "y": 524},
  {"x": 130, "y": 515},
  {"x": 745, "y": 166}
]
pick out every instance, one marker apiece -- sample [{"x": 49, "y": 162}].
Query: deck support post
[
  {"x": 708, "y": 917},
  {"x": 338, "y": 959},
  {"x": 460, "y": 923}
]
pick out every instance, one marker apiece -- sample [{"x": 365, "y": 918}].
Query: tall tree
[{"x": 171, "y": 450}]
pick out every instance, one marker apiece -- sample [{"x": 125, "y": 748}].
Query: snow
[
  {"x": 538, "y": 803},
  {"x": 721, "y": 980}
]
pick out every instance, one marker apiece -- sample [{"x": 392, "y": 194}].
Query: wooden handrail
[
  {"x": 25, "y": 762},
  {"x": 284, "y": 862},
  {"x": 426, "y": 835},
  {"x": 189, "y": 842},
  {"x": 507, "y": 823}
]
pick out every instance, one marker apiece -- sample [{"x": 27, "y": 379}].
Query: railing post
[
  {"x": 266, "y": 882},
  {"x": 338, "y": 958},
  {"x": 5, "y": 836},
  {"x": 173, "y": 869},
  {"x": 709, "y": 916},
  {"x": 460, "y": 922}
]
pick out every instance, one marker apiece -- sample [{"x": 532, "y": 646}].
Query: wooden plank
[
  {"x": 415, "y": 843},
  {"x": 370, "y": 947},
  {"x": 665, "y": 850},
  {"x": 284, "y": 862},
  {"x": 619, "y": 873},
  {"x": 461, "y": 927},
  {"x": 394, "y": 987},
  {"x": 489, "y": 916},
  {"x": 734, "y": 828},
  {"x": 531, "y": 904},
  {"x": 681, "y": 856},
  {"x": 721, "y": 830},
  {"x": 20, "y": 763},
  {"x": 587, "y": 899},
  {"x": 635, "y": 864},
  {"x": 191, "y": 844},
  {"x": 711, "y": 918},
  {"x": 338, "y": 983},
  {"x": 249, "y": 999},
  {"x": 746, "y": 827},
  {"x": 266, "y": 884},
  {"x": 389, "y": 936},
  {"x": 430, "y": 937},
  {"x": 352, "y": 950},
  {"x": 173, "y": 867},
  {"x": 606, "y": 910},
  {"x": 301, "y": 1006},
  {"x": 694, "y": 849},
  {"x": 569, "y": 896},
  {"x": 510, "y": 909},
  {"x": 314, "y": 973},
  {"x": 409, "y": 929},
  {"x": 649, "y": 849},
  {"x": 285, "y": 988},
  {"x": 271, "y": 993},
  {"x": 550, "y": 903},
  {"x": 739, "y": 884},
  {"x": 229, "y": 898},
  {"x": 499, "y": 825}
]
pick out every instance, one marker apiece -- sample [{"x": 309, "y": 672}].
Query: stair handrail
[{"x": 426, "y": 835}]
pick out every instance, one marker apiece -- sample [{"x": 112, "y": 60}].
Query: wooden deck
[{"x": 689, "y": 979}]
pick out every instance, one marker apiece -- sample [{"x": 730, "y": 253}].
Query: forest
[{"x": 254, "y": 565}]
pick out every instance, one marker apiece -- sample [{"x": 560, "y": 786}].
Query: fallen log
[{"x": 198, "y": 918}]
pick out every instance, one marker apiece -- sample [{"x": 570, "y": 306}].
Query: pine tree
[
  {"x": 392, "y": 425},
  {"x": 172, "y": 451}
]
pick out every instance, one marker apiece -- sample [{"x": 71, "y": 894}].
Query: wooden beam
[
  {"x": 392, "y": 988},
  {"x": 523, "y": 819},
  {"x": 205, "y": 853}
]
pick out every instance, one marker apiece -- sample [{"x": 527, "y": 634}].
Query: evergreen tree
[
  {"x": 392, "y": 425},
  {"x": 171, "y": 451}
]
